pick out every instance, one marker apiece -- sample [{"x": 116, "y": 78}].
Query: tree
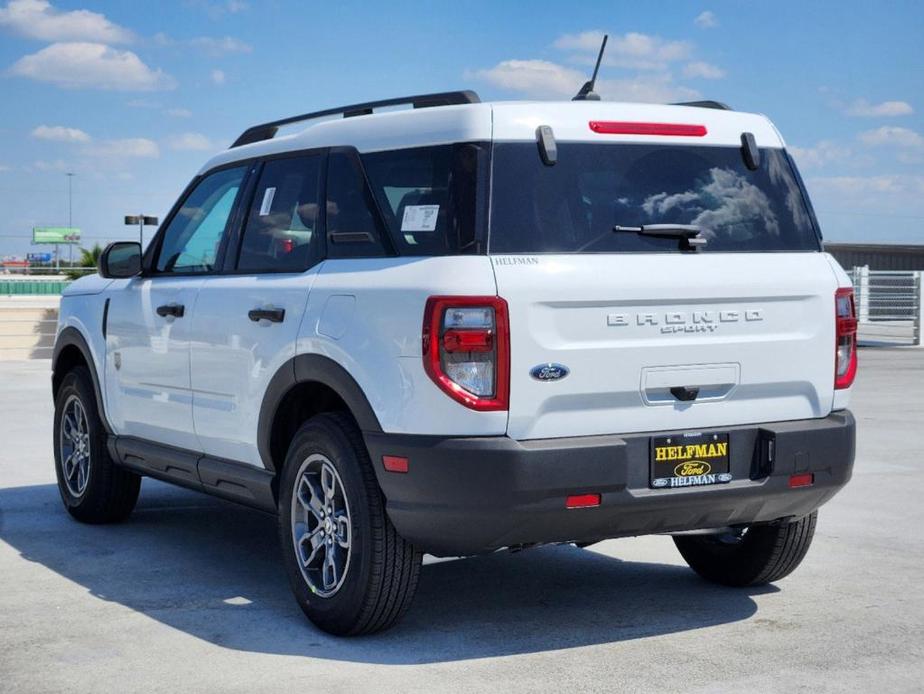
[{"x": 88, "y": 259}]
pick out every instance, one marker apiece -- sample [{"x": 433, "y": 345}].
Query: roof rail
[
  {"x": 267, "y": 131},
  {"x": 706, "y": 104}
]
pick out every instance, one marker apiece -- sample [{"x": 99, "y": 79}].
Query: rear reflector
[
  {"x": 582, "y": 501},
  {"x": 806, "y": 479},
  {"x": 395, "y": 463},
  {"x": 607, "y": 127}
]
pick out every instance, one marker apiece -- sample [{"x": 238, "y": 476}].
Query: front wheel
[
  {"x": 749, "y": 556},
  {"x": 349, "y": 569},
  {"x": 93, "y": 488}
]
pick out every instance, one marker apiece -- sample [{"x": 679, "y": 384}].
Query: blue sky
[{"x": 133, "y": 97}]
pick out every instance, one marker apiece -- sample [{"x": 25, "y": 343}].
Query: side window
[
  {"x": 432, "y": 197},
  {"x": 282, "y": 232},
  {"x": 192, "y": 239},
  {"x": 353, "y": 230}
]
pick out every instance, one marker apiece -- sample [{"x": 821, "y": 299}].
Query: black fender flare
[
  {"x": 72, "y": 337},
  {"x": 311, "y": 368}
]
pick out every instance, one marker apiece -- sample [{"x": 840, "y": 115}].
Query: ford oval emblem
[{"x": 549, "y": 372}]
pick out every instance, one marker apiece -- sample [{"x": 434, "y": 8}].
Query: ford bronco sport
[{"x": 464, "y": 326}]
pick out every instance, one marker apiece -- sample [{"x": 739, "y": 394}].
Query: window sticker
[
  {"x": 267, "y": 205},
  {"x": 420, "y": 218}
]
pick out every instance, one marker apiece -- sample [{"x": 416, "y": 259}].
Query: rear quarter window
[{"x": 432, "y": 198}]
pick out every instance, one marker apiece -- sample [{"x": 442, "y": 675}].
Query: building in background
[{"x": 878, "y": 256}]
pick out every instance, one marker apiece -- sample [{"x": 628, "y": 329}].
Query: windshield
[{"x": 572, "y": 207}]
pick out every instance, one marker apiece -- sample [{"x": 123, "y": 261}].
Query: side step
[{"x": 226, "y": 479}]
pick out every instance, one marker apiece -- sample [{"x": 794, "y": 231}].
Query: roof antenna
[{"x": 587, "y": 92}]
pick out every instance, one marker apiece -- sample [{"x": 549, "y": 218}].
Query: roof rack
[
  {"x": 706, "y": 104},
  {"x": 267, "y": 131}
]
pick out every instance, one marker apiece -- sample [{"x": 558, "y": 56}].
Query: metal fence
[
  {"x": 36, "y": 281},
  {"x": 889, "y": 305}
]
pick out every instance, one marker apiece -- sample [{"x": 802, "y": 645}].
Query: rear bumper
[{"x": 472, "y": 495}]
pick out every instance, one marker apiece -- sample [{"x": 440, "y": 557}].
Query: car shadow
[{"x": 211, "y": 569}]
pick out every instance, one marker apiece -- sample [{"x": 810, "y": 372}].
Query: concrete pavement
[{"x": 189, "y": 594}]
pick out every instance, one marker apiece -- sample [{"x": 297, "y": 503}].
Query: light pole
[
  {"x": 70, "y": 220},
  {"x": 142, "y": 221}
]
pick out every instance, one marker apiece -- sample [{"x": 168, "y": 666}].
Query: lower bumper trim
[{"x": 472, "y": 495}]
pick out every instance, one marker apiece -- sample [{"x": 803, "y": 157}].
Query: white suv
[{"x": 463, "y": 326}]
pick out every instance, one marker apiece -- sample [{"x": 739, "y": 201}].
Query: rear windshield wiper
[{"x": 689, "y": 235}]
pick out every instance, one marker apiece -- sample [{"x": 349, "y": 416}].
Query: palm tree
[{"x": 88, "y": 259}]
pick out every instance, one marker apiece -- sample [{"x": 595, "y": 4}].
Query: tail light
[
  {"x": 845, "y": 354},
  {"x": 466, "y": 349}
]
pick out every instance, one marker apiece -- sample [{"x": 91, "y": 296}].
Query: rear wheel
[
  {"x": 93, "y": 488},
  {"x": 349, "y": 569},
  {"x": 749, "y": 556}
]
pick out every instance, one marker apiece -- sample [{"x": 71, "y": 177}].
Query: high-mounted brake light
[
  {"x": 845, "y": 346},
  {"x": 466, "y": 349},
  {"x": 607, "y": 127}
]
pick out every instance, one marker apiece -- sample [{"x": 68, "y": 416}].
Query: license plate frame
[{"x": 689, "y": 459}]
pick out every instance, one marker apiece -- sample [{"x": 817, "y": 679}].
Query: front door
[{"x": 148, "y": 329}]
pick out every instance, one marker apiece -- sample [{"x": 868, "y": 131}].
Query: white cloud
[
  {"x": 632, "y": 50},
  {"x": 706, "y": 20},
  {"x": 861, "y": 107},
  {"x": 190, "y": 142},
  {"x": 56, "y": 165},
  {"x": 179, "y": 112},
  {"x": 823, "y": 153},
  {"x": 865, "y": 186},
  {"x": 221, "y": 46},
  {"x": 4, "y": 167},
  {"x": 706, "y": 71},
  {"x": 129, "y": 147},
  {"x": 142, "y": 103},
  {"x": 59, "y": 133},
  {"x": 91, "y": 66},
  {"x": 648, "y": 88},
  {"x": 892, "y": 136},
  {"x": 38, "y": 19},
  {"x": 217, "y": 76},
  {"x": 545, "y": 79},
  {"x": 538, "y": 78},
  {"x": 216, "y": 10}
]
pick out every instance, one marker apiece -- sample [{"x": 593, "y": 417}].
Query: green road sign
[{"x": 55, "y": 235}]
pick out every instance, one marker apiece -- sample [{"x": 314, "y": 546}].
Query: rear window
[
  {"x": 572, "y": 207},
  {"x": 432, "y": 198}
]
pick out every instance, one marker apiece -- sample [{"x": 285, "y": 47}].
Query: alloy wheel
[
  {"x": 75, "y": 446},
  {"x": 321, "y": 530}
]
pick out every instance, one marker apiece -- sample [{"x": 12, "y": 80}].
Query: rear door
[
  {"x": 651, "y": 337},
  {"x": 246, "y": 321}
]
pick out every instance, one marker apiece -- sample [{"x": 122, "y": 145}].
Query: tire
[
  {"x": 374, "y": 571},
  {"x": 762, "y": 554},
  {"x": 93, "y": 488}
]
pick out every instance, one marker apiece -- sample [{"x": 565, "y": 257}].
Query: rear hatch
[{"x": 636, "y": 334}]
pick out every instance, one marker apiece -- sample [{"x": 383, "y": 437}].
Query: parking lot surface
[{"x": 189, "y": 595}]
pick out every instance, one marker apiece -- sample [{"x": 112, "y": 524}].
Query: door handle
[
  {"x": 175, "y": 310},
  {"x": 273, "y": 315},
  {"x": 685, "y": 393}
]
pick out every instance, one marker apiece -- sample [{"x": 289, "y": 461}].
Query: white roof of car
[{"x": 509, "y": 121}]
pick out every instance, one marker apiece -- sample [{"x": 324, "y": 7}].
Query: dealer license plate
[{"x": 689, "y": 460}]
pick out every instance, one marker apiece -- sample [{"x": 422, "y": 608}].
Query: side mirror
[{"x": 120, "y": 259}]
